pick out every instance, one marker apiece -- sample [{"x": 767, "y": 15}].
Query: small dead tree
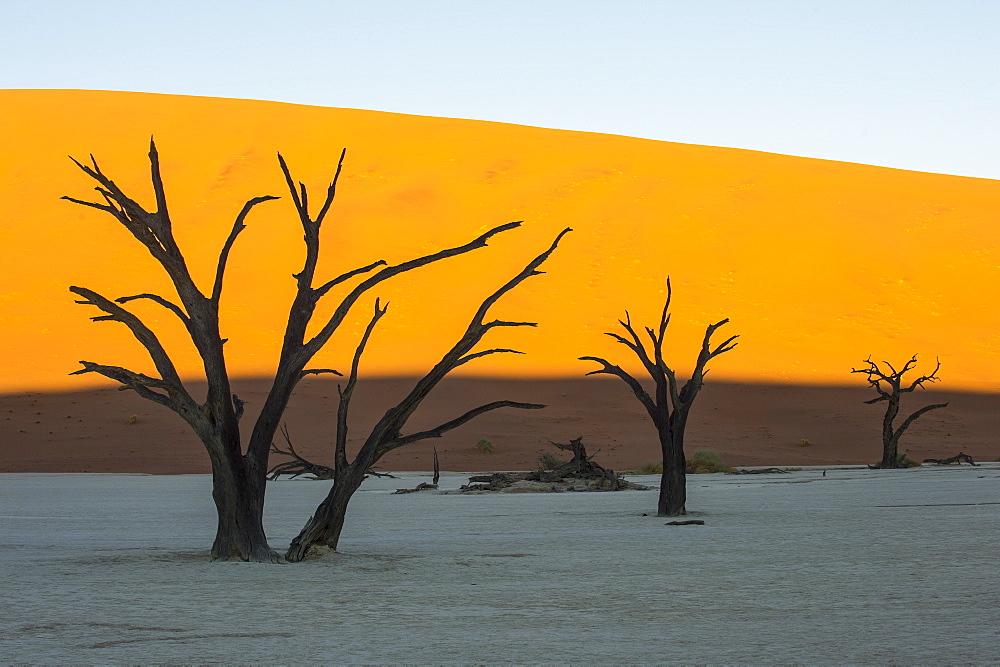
[
  {"x": 325, "y": 526},
  {"x": 670, "y": 404},
  {"x": 889, "y": 385},
  {"x": 239, "y": 473}
]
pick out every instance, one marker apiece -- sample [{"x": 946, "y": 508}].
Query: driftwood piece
[
  {"x": 686, "y": 522},
  {"x": 423, "y": 486},
  {"x": 755, "y": 471},
  {"x": 957, "y": 458},
  {"x": 580, "y": 473}
]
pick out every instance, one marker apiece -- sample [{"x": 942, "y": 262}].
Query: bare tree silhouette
[
  {"x": 670, "y": 404},
  {"x": 325, "y": 526},
  {"x": 892, "y": 392},
  {"x": 239, "y": 473}
]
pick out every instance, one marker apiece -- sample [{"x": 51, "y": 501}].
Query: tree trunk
[
  {"x": 239, "y": 498},
  {"x": 324, "y": 527},
  {"x": 890, "y": 441},
  {"x": 673, "y": 481}
]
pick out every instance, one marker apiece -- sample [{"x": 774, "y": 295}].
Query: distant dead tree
[
  {"x": 670, "y": 404},
  {"x": 239, "y": 474},
  {"x": 325, "y": 526},
  {"x": 889, "y": 385}
]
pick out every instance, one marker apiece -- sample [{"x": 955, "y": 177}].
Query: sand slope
[
  {"x": 747, "y": 424},
  {"x": 818, "y": 263}
]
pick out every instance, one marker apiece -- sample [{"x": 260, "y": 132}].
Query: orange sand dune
[
  {"x": 817, "y": 263},
  {"x": 102, "y": 430}
]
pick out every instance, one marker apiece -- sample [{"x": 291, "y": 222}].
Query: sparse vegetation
[
  {"x": 650, "y": 468},
  {"x": 548, "y": 461},
  {"x": 134, "y": 419},
  {"x": 903, "y": 460},
  {"x": 706, "y": 461},
  {"x": 484, "y": 446},
  {"x": 805, "y": 443},
  {"x": 702, "y": 461}
]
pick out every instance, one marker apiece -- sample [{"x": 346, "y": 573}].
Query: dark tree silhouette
[
  {"x": 890, "y": 388},
  {"x": 239, "y": 474},
  {"x": 670, "y": 404},
  {"x": 325, "y": 526}
]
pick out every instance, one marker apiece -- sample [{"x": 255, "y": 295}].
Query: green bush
[
  {"x": 706, "y": 461},
  {"x": 484, "y": 446},
  {"x": 805, "y": 443},
  {"x": 650, "y": 468},
  {"x": 702, "y": 461}
]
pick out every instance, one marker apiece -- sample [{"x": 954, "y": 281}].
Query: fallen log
[
  {"x": 686, "y": 522},
  {"x": 423, "y": 486},
  {"x": 580, "y": 473},
  {"x": 755, "y": 471},
  {"x": 957, "y": 458}
]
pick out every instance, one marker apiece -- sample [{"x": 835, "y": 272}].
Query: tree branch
[
  {"x": 326, "y": 287},
  {"x": 912, "y": 418},
  {"x": 389, "y": 427},
  {"x": 319, "y": 371},
  {"x": 141, "y": 332},
  {"x": 238, "y": 227},
  {"x": 176, "y": 399},
  {"x": 320, "y": 339},
  {"x": 640, "y": 393},
  {"x": 172, "y": 307},
  {"x": 923, "y": 378},
  {"x": 635, "y": 345},
  {"x": 343, "y": 407},
  {"x": 498, "y": 350},
  {"x": 438, "y": 431}
]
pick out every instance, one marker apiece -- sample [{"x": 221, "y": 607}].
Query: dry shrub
[
  {"x": 548, "y": 461},
  {"x": 706, "y": 461}
]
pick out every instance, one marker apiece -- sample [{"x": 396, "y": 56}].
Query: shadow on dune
[{"x": 104, "y": 430}]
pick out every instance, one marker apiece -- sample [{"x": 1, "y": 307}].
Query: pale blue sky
[{"x": 913, "y": 84}]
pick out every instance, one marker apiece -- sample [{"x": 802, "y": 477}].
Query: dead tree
[
  {"x": 892, "y": 392},
  {"x": 239, "y": 473},
  {"x": 581, "y": 465},
  {"x": 670, "y": 404},
  {"x": 957, "y": 458},
  {"x": 325, "y": 526}
]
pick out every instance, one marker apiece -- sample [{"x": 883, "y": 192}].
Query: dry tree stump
[
  {"x": 581, "y": 473},
  {"x": 957, "y": 458}
]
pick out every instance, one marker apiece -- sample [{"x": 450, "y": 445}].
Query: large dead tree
[
  {"x": 889, "y": 385},
  {"x": 671, "y": 403},
  {"x": 239, "y": 473},
  {"x": 326, "y": 524}
]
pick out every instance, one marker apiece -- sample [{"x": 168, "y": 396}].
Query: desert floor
[
  {"x": 747, "y": 424},
  {"x": 858, "y": 566}
]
